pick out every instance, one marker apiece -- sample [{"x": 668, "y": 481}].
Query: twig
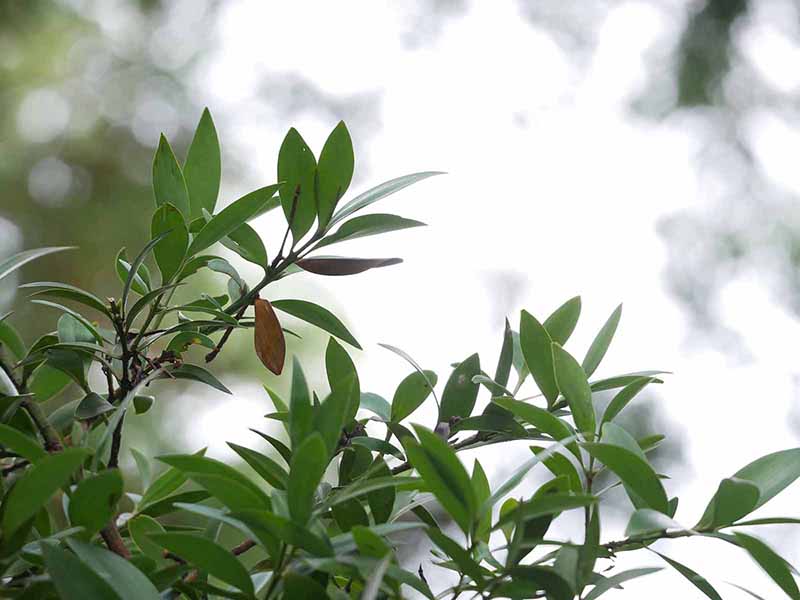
[{"x": 113, "y": 539}]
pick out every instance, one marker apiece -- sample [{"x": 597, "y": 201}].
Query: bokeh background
[{"x": 625, "y": 150}]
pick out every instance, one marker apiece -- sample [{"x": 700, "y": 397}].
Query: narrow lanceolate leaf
[
  {"x": 268, "y": 337},
  {"x": 297, "y": 172},
  {"x": 171, "y": 250},
  {"x": 771, "y": 474},
  {"x": 316, "y": 315},
  {"x": 339, "y": 265},
  {"x": 697, "y": 580},
  {"x": 334, "y": 172},
  {"x": 601, "y": 342},
  {"x": 301, "y": 416},
  {"x": 207, "y": 556},
  {"x": 343, "y": 377},
  {"x": 572, "y": 382},
  {"x": 231, "y": 217},
  {"x": 74, "y": 579},
  {"x": 646, "y": 521},
  {"x": 136, "y": 273},
  {"x": 536, "y": 346},
  {"x": 774, "y": 565},
  {"x": 37, "y": 485},
  {"x": 203, "y": 167},
  {"x": 460, "y": 393},
  {"x": 624, "y": 396},
  {"x": 616, "y": 580},
  {"x": 128, "y": 581},
  {"x": 16, "y": 441},
  {"x": 268, "y": 469},
  {"x": 367, "y": 225},
  {"x": 169, "y": 185},
  {"x": 444, "y": 475},
  {"x": 11, "y": 339},
  {"x": 506, "y": 359},
  {"x": 379, "y": 192},
  {"x": 562, "y": 322},
  {"x": 309, "y": 461},
  {"x": 14, "y": 262},
  {"x": 246, "y": 243},
  {"x": 411, "y": 393},
  {"x": 69, "y": 292},
  {"x": 195, "y": 373},
  {"x": 634, "y": 471},
  {"x": 139, "y": 529}
]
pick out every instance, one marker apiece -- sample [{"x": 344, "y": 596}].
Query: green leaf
[
  {"x": 208, "y": 556},
  {"x": 367, "y": 225},
  {"x": 318, "y": 316},
  {"x": 268, "y": 526},
  {"x": 166, "y": 483},
  {"x": 268, "y": 469},
  {"x": 444, "y": 475},
  {"x": 11, "y": 340},
  {"x": 376, "y": 404},
  {"x": 301, "y": 416},
  {"x": 377, "y": 445},
  {"x": 624, "y": 396},
  {"x": 546, "y": 504},
  {"x": 381, "y": 501},
  {"x": 482, "y": 491},
  {"x": 195, "y": 373},
  {"x": 203, "y": 167},
  {"x": 308, "y": 466},
  {"x": 771, "y": 474},
  {"x": 14, "y": 262},
  {"x": 696, "y": 579},
  {"x": 343, "y": 377},
  {"x": 246, "y": 243},
  {"x": 68, "y": 292},
  {"x": 615, "y": 580},
  {"x": 414, "y": 390},
  {"x": 540, "y": 418},
  {"x": 74, "y": 579},
  {"x": 735, "y": 498},
  {"x": 645, "y": 521},
  {"x": 536, "y": 346},
  {"x": 37, "y": 485},
  {"x": 76, "y": 323},
  {"x": 349, "y": 514},
  {"x": 16, "y": 441},
  {"x": 377, "y": 193},
  {"x": 215, "y": 476},
  {"x": 372, "y": 585},
  {"x": 369, "y": 543},
  {"x": 136, "y": 274},
  {"x": 142, "y": 403},
  {"x": 506, "y": 359},
  {"x": 460, "y": 393},
  {"x": 773, "y": 564},
  {"x": 302, "y": 587},
  {"x": 297, "y": 172},
  {"x": 460, "y": 556},
  {"x": 560, "y": 465},
  {"x": 230, "y": 218},
  {"x": 139, "y": 528},
  {"x": 169, "y": 185},
  {"x": 331, "y": 416},
  {"x": 171, "y": 250},
  {"x": 544, "y": 578},
  {"x": 562, "y": 322},
  {"x": 572, "y": 382},
  {"x": 601, "y": 343},
  {"x": 94, "y": 501},
  {"x": 611, "y": 383},
  {"x": 334, "y": 172},
  {"x": 128, "y": 581},
  {"x": 634, "y": 471},
  {"x": 47, "y": 382}
]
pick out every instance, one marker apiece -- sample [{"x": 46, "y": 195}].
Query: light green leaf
[
  {"x": 139, "y": 528},
  {"x": 411, "y": 393},
  {"x": 562, "y": 322},
  {"x": 14, "y": 262},
  {"x": 334, "y": 172},
  {"x": 646, "y": 521},
  {"x": 615, "y": 580},
  {"x": 68, "y": 292},
  {"x": 536, "y": 346},
  {"x": 376, "y": 404},
  {"x": 309, "y": 461},
  {"x": 624, "y": 396}
]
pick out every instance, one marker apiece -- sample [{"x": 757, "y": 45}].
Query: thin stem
[
  {"x": 52, "y": 441},
  {"x": 113, "y": 539}
]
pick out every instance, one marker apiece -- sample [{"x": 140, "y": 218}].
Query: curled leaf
[{"x": 268, "y": 336}]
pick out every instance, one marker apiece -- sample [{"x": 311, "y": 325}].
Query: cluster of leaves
[{"x": 351, "y": 476}]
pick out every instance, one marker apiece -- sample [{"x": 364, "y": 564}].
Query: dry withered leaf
[
  {"x": 335, "y": 265},
  {"x": 269, "y": 341}
]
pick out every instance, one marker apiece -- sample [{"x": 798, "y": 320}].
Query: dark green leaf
[
  {"x": 208, "y": 556},
  {"x": 73, "y": 578},
  {"x": 195, "y": 373},
  {"x": 645, "y": 521},
  {"x": 381, "y": 501},
  {"x": 37, "y": 485},
  {"x": 696, "y": 579},
  {"x": 91, "y": 406},
  {"x": 94, "y": 501},
  {"x": 316, "y": 315},
  {"x": 128, "y": 582},
  {"x": 171, "y": 250},
  {"x": 572, "y": 383},
  {"x": 302, "y": 587},
  {"x": 773, "y": 564},
  {"x": 377, "y": 445},
  {"x": 536, "y": 347},
  {"x": 309, "y": 461},
  {"x": 301, "y": 416},
  {"x": 230, "y": 218},
  {"x": 624, "y": 396},
  {"x": 601, "y": 342},
  {"x": 246, "y": 243},
  {"x": 297, "y": 172},
  {"x": 268, "y": 469},
  {"x": 562, "y": 322},
  {"x": 415, "y": 388},
  {"x": 540, "y": 418},
  {"x": 16, "y": 441},
  {"x": 367, "y": 225},
  {"x": 460, "y": 556},
  {"x": 343, "y": 377},
  {"x": 615, "y": 580},
  {"x": 203, "y": 167},
  {"x": 349, "y": 514},
  {"x": 169, "y": 185},
  {"x": 334, "y": 172},
  {"x": 545, "y": 578},
  {"x": 139, "y": 528},
  {"x": 11, "y": 340},
  {"x": 460, "y": 393},
  {"x": 376, "y": 404}
]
